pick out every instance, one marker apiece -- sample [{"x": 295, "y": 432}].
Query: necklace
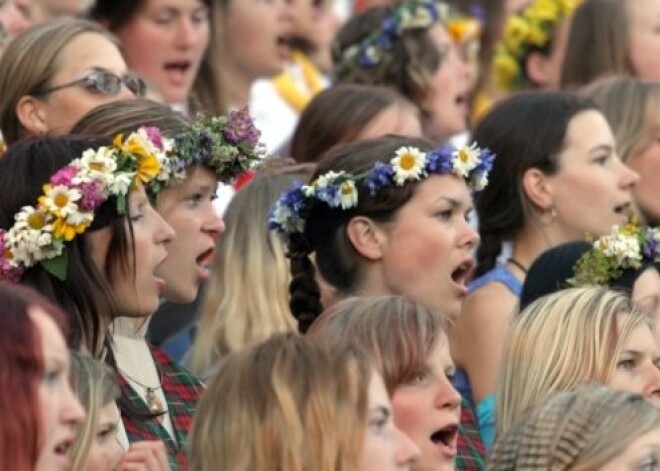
[
  {"x": 517, "y": 264},
  {"x": 154, "y": 404}
]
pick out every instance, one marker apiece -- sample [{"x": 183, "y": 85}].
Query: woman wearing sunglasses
[{"x": 52, "y": 74}]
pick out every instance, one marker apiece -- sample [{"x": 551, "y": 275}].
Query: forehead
[
  {"x": 437, "y": 188},
  {"x": 52, "y": 340},
  {"x": 587, "y": 130}
]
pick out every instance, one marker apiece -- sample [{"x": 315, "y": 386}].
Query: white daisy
[
  {"x": 120, "y": 183},
  {"x": 465, "y": 160},
  {"x": 408, "y": 164},
  {"x": 96, "y": 165},
  {"x": 348, "y": 195},
  {"x": 60, "y": 200}
]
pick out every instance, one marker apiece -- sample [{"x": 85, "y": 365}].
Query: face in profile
[
  {"x": 59, "y": 409},
  {"x": 646, "y": 162},
  {"x": 137, "y": 292},
  {"x": 105, "y": 452},
  {"x": 188, "y": 209},
  {"x": 385, "y": 447},
  {"x": 643, "y": 454},
  {"x": 427, "y": 409},
  {"x": 427, "y": 249},
  {"x": 592, "y": 190}
]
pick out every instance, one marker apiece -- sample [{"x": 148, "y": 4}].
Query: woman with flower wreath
[
  {"x": 408, "y": 47},
  {"x": 92, "y": 242},
  {"x": 387, "y": 216}
]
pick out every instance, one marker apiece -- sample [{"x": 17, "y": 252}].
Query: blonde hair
[
  {"x": 577, "y": 430},
  {"x": 292, "y": 404},
  {"x": 559, "y": 341},
  {"x": 398, "y": 333},
  {"x": 95, "y": 387},
  {"x": 632, "y": 109},
  {"x": 29, "y": 63},
  {"x": 246, "y": 298}
]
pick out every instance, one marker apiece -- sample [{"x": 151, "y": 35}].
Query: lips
[
  {"x": 624, "y": 210},
  {"x": 445, "y": 439},
  {"x": 62, "y": 451},
  {"x": 463, "y": 272},
  {"x": 283, "y": 43},
  {"x": 177, "y": 71}
]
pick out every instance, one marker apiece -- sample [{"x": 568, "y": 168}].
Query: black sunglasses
[{"x": 105, "y": 83}]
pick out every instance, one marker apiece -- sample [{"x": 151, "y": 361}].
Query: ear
[
  {"x": 366, "y": 237},
  {"x": 537, "y": 69},
  {"x": 537, "y": 186},
  {"x": 31, "y": 112}
]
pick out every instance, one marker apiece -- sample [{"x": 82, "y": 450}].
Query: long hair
[
  {"x": 577, "y": 430},
  {"x": 325, "y": 230},
  {"x": 399, "y": 334},
  {"x": 21, "y": 369},
  {"x": 298, "y": 405},
  {"x": 559, "y": 341},
  {"x": 29, "y": 63},
  {"x": 246, "y": 298},
  {"x": 529, "y": 130},
  {"x": 338, "y": 115},
  {"x": 85, "y": 295},
  {"x": 95, "y": 386}
]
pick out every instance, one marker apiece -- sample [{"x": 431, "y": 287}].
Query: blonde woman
[
  {"x": 96, "y": 447},
  {"x": 572, "y": 336},
  {"x": 247, "y": 296},
  {"x": 593, "y": 427},
  {"x": 632, "y": 109},
  {"x": 291, "y": 404}
]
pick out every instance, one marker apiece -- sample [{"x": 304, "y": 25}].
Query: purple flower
[
  {"x": 64, "y": 176},
  {"x": 487, "y": 161},
  {"x": 440, "y": 160},
  {"x": 155, "y": 136},
  {"x": 240, "y": 127},
  {"x": 92, "y": 198},
  {"x": 380, "y": 176},
  {"x": 294, "y": 198}
]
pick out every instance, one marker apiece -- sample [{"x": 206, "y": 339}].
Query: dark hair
[
  {"x": 528, "y": 130},
  {"x": 325, "y": 229},
  {"x": 127, "y": 116},
  {"x": 337, "y": 115},
  {"x": 116, "y": 13},
  {"x": 85, "y": 295},
  {"x": 408, "y": 67},
  {"x": 21, "y": 368},
  {"x": 598, "y": 44}
]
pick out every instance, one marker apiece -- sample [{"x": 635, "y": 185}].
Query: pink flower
[
  {"x": 64, "y": 176},
  {"x": 154, "y": 135},
  {"x": 92, "y": 198}
]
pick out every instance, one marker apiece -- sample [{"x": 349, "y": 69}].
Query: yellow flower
[
  {"x": 515, "y": 32},
  {"x": 537, "y": 35},
  {"x": 543, "y": 10},
  {"x": 463, "y": 29},
  {"x": 66, "y": 231},
  {"x": 505, "y": 70},
  {"x": 148, "y": 167}
]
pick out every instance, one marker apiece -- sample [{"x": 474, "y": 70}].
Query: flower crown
[
  {"x": 339, "y": 189},
  {"x": 407, "y": 16},
  {"x": 73, "y": 194},
  {"x": 625, "y": 247},
  {"x": 533, "y": 28},
  {"x": 227, "y": 145}
]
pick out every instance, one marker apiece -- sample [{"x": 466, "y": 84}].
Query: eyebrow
[{"x": 605, "y": 147}]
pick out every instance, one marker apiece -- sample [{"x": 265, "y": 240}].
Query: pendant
[{"x": 154, "y": 403}]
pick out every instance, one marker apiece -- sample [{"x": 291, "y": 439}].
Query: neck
[
  {"x": 531, "y": 242},
  {"x": 234, "y": 86}
]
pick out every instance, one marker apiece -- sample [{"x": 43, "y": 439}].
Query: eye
[
  {"x": 445, "y": 215},
  {"x": 50, "y": 377},
  {"x": 601, "y": 160},
  {"x": 650, "y": 463},
  {"x": 626, "y": 365},
  {"x": 378, "y": 425}
]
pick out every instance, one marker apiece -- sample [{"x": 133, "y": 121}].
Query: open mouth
[
  {"x": 64, "y": 447},
  {"x": 624, "y": 210},
  {"x": 179, "y": 66},
  {"x": 462, "y": 274},
  {"x": 205, "y": 258},
  {"x": 284, "y": 45},
  {"x": 446, "y": 437}
]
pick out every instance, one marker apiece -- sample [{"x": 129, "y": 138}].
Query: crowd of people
[{"x": 356, "y": 235}]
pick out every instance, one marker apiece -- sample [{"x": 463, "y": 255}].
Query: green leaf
[
  {"x": 57, "y": 266},
  {"x": 121, "y": 204}
]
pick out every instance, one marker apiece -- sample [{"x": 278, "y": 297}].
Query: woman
[
  {"x": 571, "y": 336},
  {"x": 345, "y": 113},
  {"x": 407, "y": 47},
  {"x": 39, "y": 424},
  {"x": 162, "y": 41},
  {"x": 632, "y": 108},
  {"x": 54, "y": 73},
  {"x": 96, "y": 447},
  {"x": 384, "y": 216},
  {"x": 562, "y": 179},
  {"x": 592, "y": 427},
  {"x": 317, "y": 409},
  {"x": 409, "y": 344},
  {"x": 626, "y": 34}
]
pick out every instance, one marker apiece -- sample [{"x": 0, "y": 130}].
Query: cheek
[{"x": 408, "y": 412}]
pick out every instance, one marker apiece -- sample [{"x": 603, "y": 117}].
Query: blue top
[{"x": 486, "y": 408}]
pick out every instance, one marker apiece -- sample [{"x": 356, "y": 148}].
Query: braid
[
  {"x": 487, "y": 253},
  {"x": 305, "y": 302}
]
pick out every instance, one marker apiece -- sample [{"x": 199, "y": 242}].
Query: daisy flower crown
[
  {"x": 627, "y": 247},
  {"x": 531, "y": 29},
  {"x": 407, "y": 16},
  {"x": 71, "y": 197},
  {"x": 227, "y": 145},
  {"x": 339, "y": 189}
]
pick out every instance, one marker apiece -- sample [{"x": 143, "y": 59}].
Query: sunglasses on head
[{"x": 105, "y": 83}]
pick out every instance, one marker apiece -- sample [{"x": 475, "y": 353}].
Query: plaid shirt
[
  {"x": 182, "y": 391},
  {"x": 471, "y": 451}
]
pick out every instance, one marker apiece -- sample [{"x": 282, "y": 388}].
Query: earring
[{"x": 548, "y": 216}]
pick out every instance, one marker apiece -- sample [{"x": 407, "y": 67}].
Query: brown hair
[
  {"x": 337, "y": 115},
  {"x": 30, "y": 61}
]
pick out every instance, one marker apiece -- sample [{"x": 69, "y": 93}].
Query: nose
[
  {"x": 652, "y": 385},
  {"x": 468, "y": 237},
  {"x": 73, "y": 412},
  {"x": 213, "y": 224},
  {"x": 188, "y": 33},
  {"x": 446, "y": 397},
  {"x": 164, "y": 233},
  {"x": 285, "y": 12},
  {"x": 406, "y": 452},
  {"x": 628, "y": 177}
]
